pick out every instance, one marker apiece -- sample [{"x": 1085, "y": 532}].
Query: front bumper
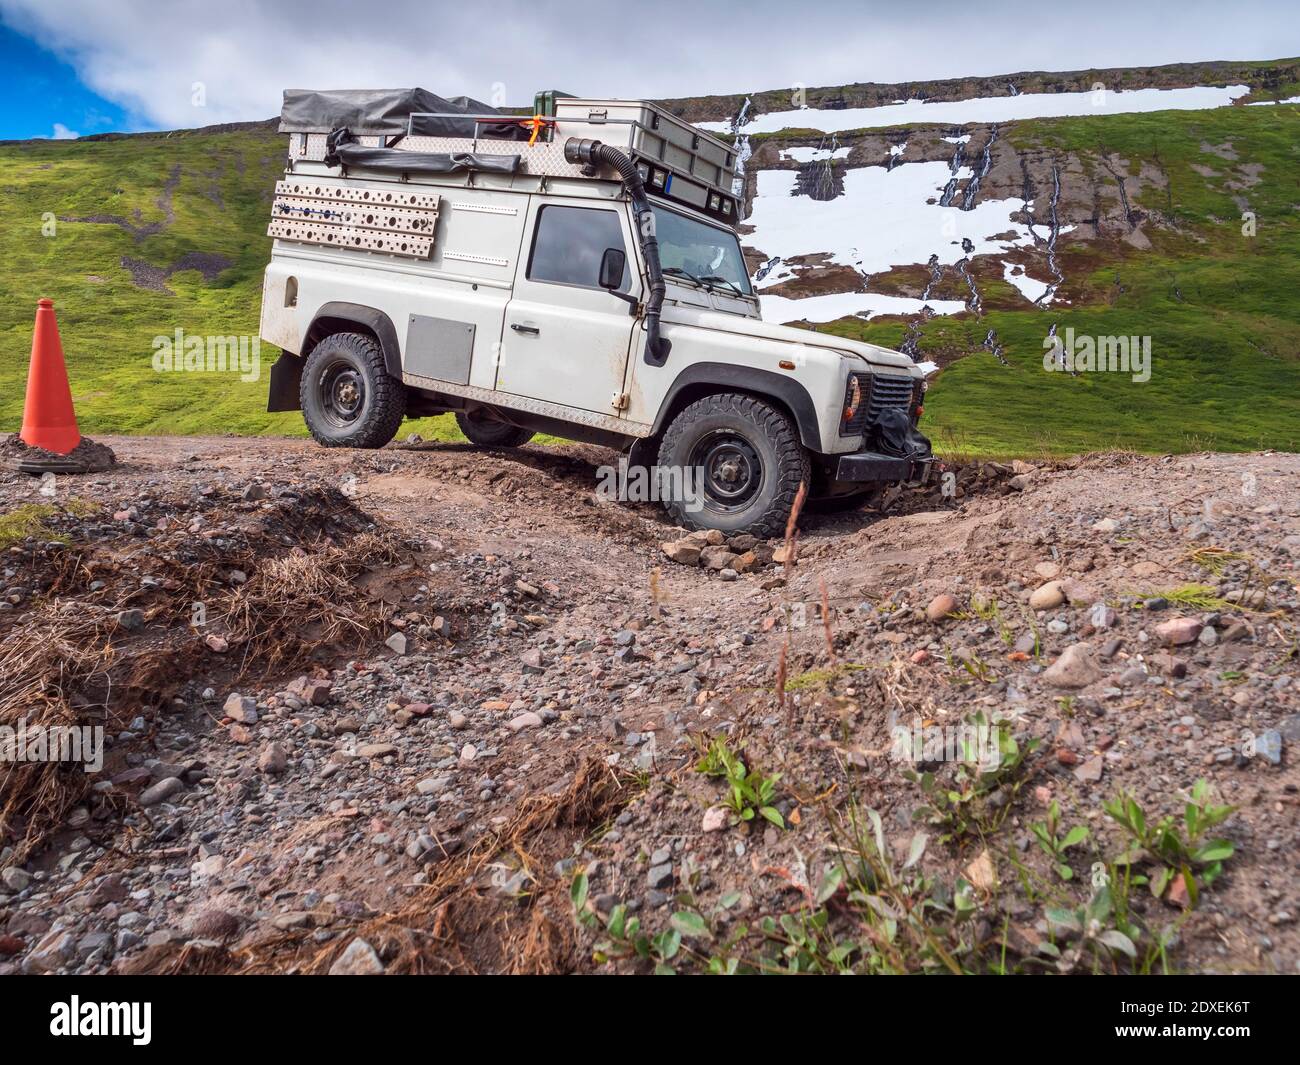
[{"x": 873, "y": 466}]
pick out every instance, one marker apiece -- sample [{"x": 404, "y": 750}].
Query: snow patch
[
  {"x": 885, "y": 218},
  {"x": 1032, "y": 289},
  {"x": 993, "y": 109},
  {"x": 815, "y": 155},
  {"x": 837, "y": 305}
]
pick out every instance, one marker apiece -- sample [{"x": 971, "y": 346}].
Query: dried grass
[
  {"x": 455, "y": 924},
  {"x": 69, "y": 663}
]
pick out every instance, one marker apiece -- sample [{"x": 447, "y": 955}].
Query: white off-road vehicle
[{"x": 576, "y": 273}]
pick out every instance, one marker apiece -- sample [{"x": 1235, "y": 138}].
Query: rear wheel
[
  {"x": 746, "y": 465},
  {"x": 482, "y": 429},
  {"x": 348, "y": 399}
]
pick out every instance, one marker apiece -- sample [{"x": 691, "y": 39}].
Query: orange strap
[{"x": 537, "y": 122}]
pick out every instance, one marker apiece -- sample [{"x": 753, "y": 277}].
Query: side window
[{"x": 569, "y": 242}]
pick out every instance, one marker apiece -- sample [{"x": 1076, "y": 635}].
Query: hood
[{"x": 734, "y": 323}]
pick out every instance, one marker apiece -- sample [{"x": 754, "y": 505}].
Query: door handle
[{"x": 531, "y": 330}]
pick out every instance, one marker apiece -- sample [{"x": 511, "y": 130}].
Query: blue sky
[
  {"x": 91, "y": 66},
  {"x": 43, "y": 97}
]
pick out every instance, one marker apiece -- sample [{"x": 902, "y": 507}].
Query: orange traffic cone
[{"x": 48, "y": 419}]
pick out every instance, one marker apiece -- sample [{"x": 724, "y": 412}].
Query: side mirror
[{"x": 612, "y": 265}]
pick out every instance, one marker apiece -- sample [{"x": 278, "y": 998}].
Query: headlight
[{"x": 852, "y": 398}]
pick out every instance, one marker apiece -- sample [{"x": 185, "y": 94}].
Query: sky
[{"x": 89, "y": 66}]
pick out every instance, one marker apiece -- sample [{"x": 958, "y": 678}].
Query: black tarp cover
[
  {"x": 396, "y": 161},
  {"x": 370, "y": 112}
]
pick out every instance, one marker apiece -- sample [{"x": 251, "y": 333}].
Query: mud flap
[
  {"x": 643, "y": 452},
  {"x": 286, "y": 375}
]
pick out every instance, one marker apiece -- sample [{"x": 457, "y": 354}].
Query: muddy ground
[{"x": 386, "y": 711}]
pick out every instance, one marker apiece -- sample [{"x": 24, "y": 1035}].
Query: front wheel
[
  {"x": 348, "y": 398},
  {"x": 486, "y": 431},
  {"x": 738, "y": 464}
]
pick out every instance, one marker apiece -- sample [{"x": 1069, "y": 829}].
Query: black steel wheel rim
[
  {"x": 730, "y": 469},
  {"x": 342, "y": 393}
]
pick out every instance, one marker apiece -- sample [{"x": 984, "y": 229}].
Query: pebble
[
  {"x": 716, "y": 818},
  {"x": 241, "y": 708},
  {"x": 1047, "y": 597},
  {"x": 16, "y": 879},
  {"x": 215, "y": 923},
  {"x": 359, "y": 959},
  {"x": 1102, "y": 617},
  {"x": 941, "y": 606},
  {"x": 1073, "y": 669},
  {"x": 683, "y": 551},
  {"x": 1177, "y": 631},
  {"x": 1268, "y": 745},
  {"x": 376, "y": 750},
  {"x": 273, "y": 760},
  {"x": 163, "y": 790},
  {"x": 660, "y": 876}
]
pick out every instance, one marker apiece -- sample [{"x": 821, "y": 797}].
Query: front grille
[
  {"x": 879, "y": 391},
  {"x": 889, "y": 391}
]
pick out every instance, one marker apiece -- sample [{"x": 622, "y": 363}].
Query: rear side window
[{"x": 568, "y": 245}]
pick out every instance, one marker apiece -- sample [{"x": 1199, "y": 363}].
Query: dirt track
[{"x": 550, "y": 644}]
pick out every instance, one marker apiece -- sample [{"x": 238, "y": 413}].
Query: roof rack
[{"x": 677, "y": 161}]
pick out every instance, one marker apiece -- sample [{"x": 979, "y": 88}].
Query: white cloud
[
  {"x": 60, "y": 133},
  {"x": 147, "y": 57}
]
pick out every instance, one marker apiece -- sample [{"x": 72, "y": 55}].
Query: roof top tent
[{"x": 412, "y": 135}]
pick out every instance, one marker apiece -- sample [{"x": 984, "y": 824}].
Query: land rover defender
[{"x": 576, "y": 272}]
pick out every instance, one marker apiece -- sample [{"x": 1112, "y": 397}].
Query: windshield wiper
[
  {"x": 702, "y": 282},
  {"x": 677, "y": 271},
  {"x": 730, "y": 284}
]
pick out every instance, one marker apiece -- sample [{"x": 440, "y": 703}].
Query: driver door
[{"x": 566, "y": 339}]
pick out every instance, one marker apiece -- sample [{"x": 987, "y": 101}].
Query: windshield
[{"x": 698, "y": 251}]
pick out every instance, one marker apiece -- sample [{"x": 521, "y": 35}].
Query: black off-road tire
[
  {"x": 348, "y": 397},
  {"x": 764, "y": 441},
  {"x": 489, "y": 432}
]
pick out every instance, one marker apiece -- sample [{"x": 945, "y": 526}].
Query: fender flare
[
  {"x": 330, "y": 314},
  {"x": 726, "y": 377}
]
